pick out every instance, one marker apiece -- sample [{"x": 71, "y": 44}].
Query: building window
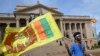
[
  {"x": 12, "y": 24},
  {"x": 78, "y": 26},
  {"x": 22, "y": 22},
  {"x": 72, "y": 26},
  {"x": 84, "y": 36},
  {"x": 67, "y": 26},
  {"x": 83, "y": 25}
]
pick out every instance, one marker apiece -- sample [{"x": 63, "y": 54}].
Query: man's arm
[
  {"x": 67, "y": 48},
  {"x": 71, "y": 50}
]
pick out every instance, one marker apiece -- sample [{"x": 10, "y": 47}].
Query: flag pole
[{"x": 67, "y": 48}]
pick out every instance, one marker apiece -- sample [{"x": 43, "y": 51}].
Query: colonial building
[{"x": 68, "y": 24}]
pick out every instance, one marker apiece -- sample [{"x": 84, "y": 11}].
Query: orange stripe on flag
[{"x": 40, "y": 30}]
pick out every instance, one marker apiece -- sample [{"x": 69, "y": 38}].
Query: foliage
[{"x": 96, "y": 46}]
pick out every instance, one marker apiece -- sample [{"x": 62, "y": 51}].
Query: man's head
[{"x": 77, "y": 36}]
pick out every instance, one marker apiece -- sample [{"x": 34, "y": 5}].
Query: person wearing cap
[{"x": 77, "y": 48}]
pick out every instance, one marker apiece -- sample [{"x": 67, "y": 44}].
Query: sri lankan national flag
[
  {"x": 38, "y": 32},
  {"x": 42, "y": 30}
]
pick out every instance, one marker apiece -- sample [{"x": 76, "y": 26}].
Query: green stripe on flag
[{"x": 46, "y": 27}]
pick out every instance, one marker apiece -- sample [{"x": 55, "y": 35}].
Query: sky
[{"x": 68, "y": 7}]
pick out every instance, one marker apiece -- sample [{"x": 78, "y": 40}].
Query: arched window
[{"x": 22, "y": 22}]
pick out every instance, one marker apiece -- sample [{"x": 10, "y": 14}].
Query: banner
[{"x": 40, "y": 31}]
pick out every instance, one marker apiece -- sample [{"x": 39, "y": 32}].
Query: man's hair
[{"x": 76, "y": 33}]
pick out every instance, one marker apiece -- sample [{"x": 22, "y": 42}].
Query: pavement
[
  {"x": 55, "y": 49},
  {"x": 95, "y": 52}
]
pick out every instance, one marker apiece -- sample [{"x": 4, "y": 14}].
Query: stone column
[
  {"x": 27, "y": 21},
  {"x": 17, "y": 23},
  {"x": 81, "y": 30},
  {"x": 75, "y": 27},
  {"x": 0, "y": 33},
  {"x": 70, "y": 32},
  {"x": 62, "y": 26},
  {"x": 64, "y": 30},
  {"x": 8, "y": 24}
]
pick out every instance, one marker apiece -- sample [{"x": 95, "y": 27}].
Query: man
[{"x": 77, "y": 48}]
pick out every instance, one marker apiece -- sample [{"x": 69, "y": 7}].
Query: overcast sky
[{"x": 68, "y": 7}]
